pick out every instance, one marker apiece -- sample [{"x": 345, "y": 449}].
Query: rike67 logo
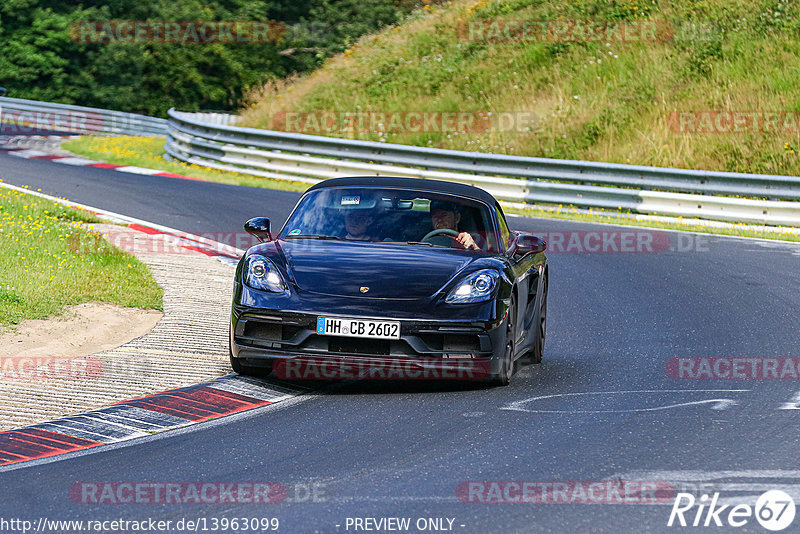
[{"x": 774, "y": 510}]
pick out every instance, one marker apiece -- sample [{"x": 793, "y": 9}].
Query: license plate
[{"x": 330, "y": 326}]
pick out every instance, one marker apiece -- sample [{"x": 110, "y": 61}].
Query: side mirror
[
  {"x": 527, "y": 244},
  {"x": 258, "y": 227}
]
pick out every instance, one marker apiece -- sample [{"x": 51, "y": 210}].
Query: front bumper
[{"x": 434, "y": 348}]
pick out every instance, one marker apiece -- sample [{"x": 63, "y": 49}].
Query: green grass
[
  {"x": 148, "y": 152},
  {"x": 51, "y": 258},
  {"x": 596, "y": 101}
]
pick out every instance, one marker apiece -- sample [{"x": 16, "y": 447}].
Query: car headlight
[
  {"x": 477, "y": 287},
  {"x": 261, "y": 273}
]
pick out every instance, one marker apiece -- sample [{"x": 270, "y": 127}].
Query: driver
[{"x": 446, "y": 216}]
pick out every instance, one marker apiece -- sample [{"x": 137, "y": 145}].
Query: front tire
[
  {"x": 248, "y": 370},
  {"x": 503, "y": 377},
  {"x": 537, "y": 353}
]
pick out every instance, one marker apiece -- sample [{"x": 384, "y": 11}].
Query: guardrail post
[{"x": 2, "y": 93}]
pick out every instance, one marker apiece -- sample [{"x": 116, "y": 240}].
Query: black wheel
[
  {"x": 236, "y": 366},
  {"x": 537, "y": 353},
  {"x": 503, "y": 377},
  {"x": 260, "y": 371}
]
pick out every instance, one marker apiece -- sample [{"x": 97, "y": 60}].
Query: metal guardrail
[
  {"x": 213, "y": 140},
  {"x": 219, "y": 118},
  {"x": 513, "y": 179},
  {"x": 21, "y": 117}
]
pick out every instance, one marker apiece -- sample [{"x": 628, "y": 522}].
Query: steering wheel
[{"x": 441, "y": 231}]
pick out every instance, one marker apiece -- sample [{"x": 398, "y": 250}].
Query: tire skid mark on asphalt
[
  {"x": 70, "y": 428},
  {"x": 137, "y": 418},
  {"x": 141, "y": 417},
  {"x": 249, "y": 387}
]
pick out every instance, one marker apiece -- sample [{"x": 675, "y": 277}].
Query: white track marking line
[
  {"x": 28, "y": 153},
  {"x": 721, "y": 404},
  {"x": 137, "y": 170},
  {"x": 76, "y": 161}
]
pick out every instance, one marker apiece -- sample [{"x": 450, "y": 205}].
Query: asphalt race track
[{"x": 601, "y": 407}]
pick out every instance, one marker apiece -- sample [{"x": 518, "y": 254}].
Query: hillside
[{"x": 628, "y": 93}]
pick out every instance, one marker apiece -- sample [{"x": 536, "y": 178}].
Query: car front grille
[
  {"x": 297, "y": 333},
  {"x": 367, "y": 347}
]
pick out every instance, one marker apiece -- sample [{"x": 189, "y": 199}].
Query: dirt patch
[{"x": 82, "y": 330}]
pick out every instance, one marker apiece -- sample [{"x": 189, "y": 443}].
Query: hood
[{"x": 389, "y": 271}]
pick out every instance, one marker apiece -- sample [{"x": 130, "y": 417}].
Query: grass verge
[{"x": 51, "y": 258}]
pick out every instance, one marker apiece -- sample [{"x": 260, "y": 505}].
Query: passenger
[{"x": 357, "y": 224}]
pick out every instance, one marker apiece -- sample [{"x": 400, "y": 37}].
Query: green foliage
[
  {"x": 703, "y": 54},
  {"x": 341, "y": 23},
  {"x": 44, "y": 57}
]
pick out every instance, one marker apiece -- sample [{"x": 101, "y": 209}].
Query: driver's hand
[{"x": 467, "y": 241}]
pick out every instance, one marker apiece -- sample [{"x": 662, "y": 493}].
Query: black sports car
[{"x": 390, "y": 278}]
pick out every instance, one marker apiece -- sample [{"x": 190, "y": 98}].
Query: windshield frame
[{"x": 281, "y": 236}]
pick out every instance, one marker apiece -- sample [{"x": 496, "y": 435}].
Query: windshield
[{"x": 381, "y": 215}]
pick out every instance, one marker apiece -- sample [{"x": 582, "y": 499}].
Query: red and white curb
[
  {"x": 163, "y": 411},
  {"x": 137, "y": 418},
  {"x": 28, "y": 153}
]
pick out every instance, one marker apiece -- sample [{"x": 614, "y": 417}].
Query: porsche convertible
[{"x": 377, "y": 277}]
